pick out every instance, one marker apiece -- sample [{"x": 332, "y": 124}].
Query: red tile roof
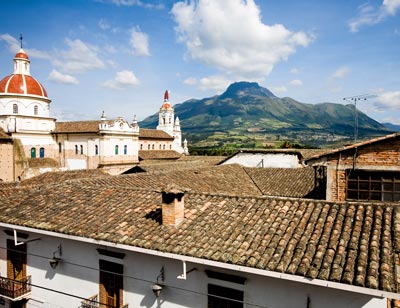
[
  {"x": 145, "y": 133},
  {"x": 158, "y": 154}
]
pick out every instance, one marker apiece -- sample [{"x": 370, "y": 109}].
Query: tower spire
[
  {"x": 20, "y": 38},
  {"x": 166, "y": 96}
]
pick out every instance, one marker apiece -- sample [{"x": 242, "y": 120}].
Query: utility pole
[{"x": 354, "y": 100}]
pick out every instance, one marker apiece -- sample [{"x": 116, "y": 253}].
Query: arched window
[
  {"x": 160, "y": 147},
  {"x": 152, "y": 146},
  {"x": 59, "y": 147},
  {"x": 163, "y": 146},
  {"x": 170, "y": 146},
  {"x": 170, "y": 120},
  {"x": 15, "y": 108},
  {"x": 81, "y": 149},
  {"x": 125, "y": 149},
  {"x": 41, "y": 152},
  {"x": 96, "y": 149},
  {"x": 35, "y": 110},
  {"x": 148, "y": 146},
  {"x": 141, "y": 146},
  {"x": 33, "y": 152},
  {"x": 116, "y": 150},
  {"x": 76, "y": 149}
]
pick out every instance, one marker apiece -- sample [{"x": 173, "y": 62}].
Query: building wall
[
  {"x": 6, "y": 160},
  {"x": 265, "y": 160},
  {"x": 155, "y": 144},
  {"x": 78, "y": 274},
  {"x": 383, "y": 156}
]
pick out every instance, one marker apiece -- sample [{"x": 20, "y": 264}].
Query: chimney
[{"x": 172, "y": 207}]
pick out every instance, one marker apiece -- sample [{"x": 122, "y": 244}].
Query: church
[{"x": 32, "y": 142}]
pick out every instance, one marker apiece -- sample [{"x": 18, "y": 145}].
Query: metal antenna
[
  {"x": 354, "y": 100},
  {"x": 20, "y": 38}
]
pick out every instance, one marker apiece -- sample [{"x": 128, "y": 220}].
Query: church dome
[{"x": 19, "y": 84}]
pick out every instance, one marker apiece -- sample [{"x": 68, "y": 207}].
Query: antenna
[
  {"x": 354, "y": 100},
  {"x": 20, "y": 38}
]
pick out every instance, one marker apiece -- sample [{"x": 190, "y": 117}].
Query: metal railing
[
  {"x": 93, "y": 302},
  {"x": 13, "y": 289}
]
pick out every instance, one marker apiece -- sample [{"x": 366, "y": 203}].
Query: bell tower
[{"x": 166, "y": 116}]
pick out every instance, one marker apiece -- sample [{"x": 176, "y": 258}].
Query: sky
[{"x": 119, "y": 56}]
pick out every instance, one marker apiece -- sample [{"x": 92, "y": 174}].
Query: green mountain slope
[{"x": 249, "y": 111}]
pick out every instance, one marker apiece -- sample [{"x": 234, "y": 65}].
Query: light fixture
[
  {"x": 157, "y": 287},
  {"x": 55, "y": 261}
]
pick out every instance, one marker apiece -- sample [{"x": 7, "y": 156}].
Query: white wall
[
  {"x": 266, "y": 160},
  {"x": 79, "y": 275}
]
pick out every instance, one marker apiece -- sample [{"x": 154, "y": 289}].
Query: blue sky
[{"x": 121, "y": 55}]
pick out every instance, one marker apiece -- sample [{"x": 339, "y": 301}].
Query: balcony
[
  {"x": 15, "y": 289},
  {"x": 93, "y": 302}
]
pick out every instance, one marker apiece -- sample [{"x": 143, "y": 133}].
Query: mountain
[
  {"x": 248, "y": 110},
  {"x": 391, "y": 126}
]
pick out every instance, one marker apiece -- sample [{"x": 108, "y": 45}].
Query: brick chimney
[{"x": 172, "y": 207}]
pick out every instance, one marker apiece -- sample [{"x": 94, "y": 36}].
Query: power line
[{"x": 122, "y": 275}]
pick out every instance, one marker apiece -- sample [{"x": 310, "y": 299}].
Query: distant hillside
[
  {"x": 391, "y": 126},
  {"x": 247, "y": 111}
]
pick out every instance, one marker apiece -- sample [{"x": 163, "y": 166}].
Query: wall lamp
[
  {"x": 157, "y": 287},
  {"x": 54, "y": 261}
]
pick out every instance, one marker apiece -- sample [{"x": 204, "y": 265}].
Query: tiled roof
[
  {"x": 3, "y": 135},
  {"x": 228, "y": 179},
  {"x": 349, "y": 243},
  {"x": 356, "y": 145},
  {"x": 145, "y": 133},
  {"x": 170, "y": 166},
  {"x": 62, "y": 176},
  {"x": 78, "y": 126},
  {"x": 158, "y": 154},
  {"x": 287, "y": 182},
  {"x": 211, "y": 160}
]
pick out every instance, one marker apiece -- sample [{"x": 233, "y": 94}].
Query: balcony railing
[
  {"x": 93, "y": 302},
  {"x": 15, "y": 289}
]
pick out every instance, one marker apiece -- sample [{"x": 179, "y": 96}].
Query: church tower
[{"x": 170, "y": 125}]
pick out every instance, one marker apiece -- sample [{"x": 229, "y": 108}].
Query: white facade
[
  {"x": 77, "y": 276},
  {"x": 265, "y": 160}
]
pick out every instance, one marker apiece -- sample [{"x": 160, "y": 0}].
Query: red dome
[
  {"x": 21, "y": 55},
  {"x": 166, "y": 105},
  {"x": 22, "y": 84}
]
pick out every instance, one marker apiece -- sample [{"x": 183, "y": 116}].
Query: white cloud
[
  {"x": 278, "y": 89},
  {"x": 191, "y": 81},
  {"x": 215, "y": 83},
  {"x": 122, "y": 80},
  {"x": 103, "y": 24},
  {"x": 296, "y": 82},
  {"x": 135, "y": 3},
  {"x": 388, "y": 99},
  {"x": 341, "y": 72},
  {"x": 139, "y": 42},
  {"x": 14, "y": 46},
  {"x": 295, "y": 71},
  {"x": 58, "y": 77},
  {"x": 78, "y": 58},
  {"x": 369, "y": 15},
  {"x": 230, "y": 36}
]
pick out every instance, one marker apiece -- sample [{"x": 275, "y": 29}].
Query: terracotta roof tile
[
  {"x": 78, "y": 127},
  {"x": 3, "y": 135},
  {"x": 158, "y": 154},
  {"x": 350, "y": 243},
  {"x": 42, "y": 162},
  {"x": 145, "y": 133}
]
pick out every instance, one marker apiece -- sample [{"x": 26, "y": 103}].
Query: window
[
  {"x": 116, "y": 150},
  {"x": 163, "y": 147},
  {"x": 16, "y": 261},
  {"x": 35, "y": 110},
  {"x": 170, "y": 146},
  {"x": 125, "y": 149},
  {"x": 159, "y": 147},
  {"x": 111, "y": 283},
  {"x": 76, "y": 149},
  {"x": 148, "y": 146},
  {"x": 96, "y": 149},
  {"x": 152, "y": 146},
  {"x": 373, "y": 185},
  {"x": 224, "y": 297},
  {"x": 141, "y": 146},
  {"x": 59, "y": 147},
  {"x": 33, "y": 152},
  {"x": 81, "y": 149},
  {"x": 41, "y": 152},
  {"x": 15, "y": 108}
]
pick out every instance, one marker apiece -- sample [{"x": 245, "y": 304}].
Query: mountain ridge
[{"x": 247, "y": 110}]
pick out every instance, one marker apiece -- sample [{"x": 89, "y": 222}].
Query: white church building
[{"x": 40, "y": 143}]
